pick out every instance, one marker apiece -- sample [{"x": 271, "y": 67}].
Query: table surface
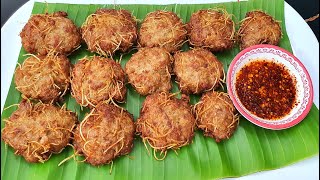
[{"x": 306, "y": 9}]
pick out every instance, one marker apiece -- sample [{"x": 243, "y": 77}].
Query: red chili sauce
[{"x": 266, "y": 89}]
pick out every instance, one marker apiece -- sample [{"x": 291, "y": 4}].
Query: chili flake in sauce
[{"x": 266, "y": 89}]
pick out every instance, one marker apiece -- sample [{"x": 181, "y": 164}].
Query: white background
[{"x": 304, "y": 43}]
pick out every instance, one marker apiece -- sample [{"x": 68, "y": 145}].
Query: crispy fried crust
[
  {"x": 45, "y": 78},
  {"x": 104, "y": 134},
  {"x": 35, "y": 131},
  {"x": 211, "y": 29},
  {"x": 162, "y": 29},
  {"x": 197, "y": 70},
  {"x": 46, "y": 33},
  {"x": 109, "y": 30},
  {"x": 149, "y": 70},
  {"x": 259, "y": 28},
  {"x": 97, "y": 79},
  {"x": 216, "y": 115},
  {"x": 165, "y": 122}
]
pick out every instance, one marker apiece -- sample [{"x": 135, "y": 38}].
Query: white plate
[{"x": 305, "y": 47}]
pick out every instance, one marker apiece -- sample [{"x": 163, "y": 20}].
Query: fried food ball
[
  {"x": 197, "y": 70},
  {"x": 97, "y": 79},
  {"x": 35, "y": 131},
  {"x": 211, "y": 29},
  {"x": 165, "y": 122},
  {"x": 46, "y": 33},
  {"x": 109, "y": 30},
  {"x": 259, "y": 28},
  {"x": 104, "y": 134},
  {"x": 45, "y": 78},
  {"x": 149, "y": 70},
  {"x": 216, "y": 115},
  {"x": 162, "y": 29}
]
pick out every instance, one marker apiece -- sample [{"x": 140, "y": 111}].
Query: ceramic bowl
[{"x": 304, "y": 94}]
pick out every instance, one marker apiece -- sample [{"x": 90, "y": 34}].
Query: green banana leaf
[{"x": 250, "y": 150}]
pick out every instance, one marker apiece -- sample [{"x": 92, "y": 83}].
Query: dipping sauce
[{"x": 266, "y": 89}]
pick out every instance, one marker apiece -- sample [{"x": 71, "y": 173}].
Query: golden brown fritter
[
  {"x": 104, "y": 134},
  {"x": 96, "y": 79},
  {"x": 212, "y": 29},
  {"x": 46, "y": 33},
  {"x": 216, "y": 115},
  {"x": 166, "y": 122},
  {"x": 35, "y": 131},
  {"x": 259, "y": 28},
  {"x": 45, "y": 78},
  {"x": 109, "y": 30},
  {"x": 149, "y": 70},
  {"x": 162, "y": 29},
  {"x": 197, "y": 70}
]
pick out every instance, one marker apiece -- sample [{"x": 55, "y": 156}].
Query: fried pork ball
[
  {"x": 44, "y": 78},
  {"x": 149, "y": 70},
  {"x": 162, "y": 29},
  {"x": 259, "y": 28},
  {"x": 109, "y": 30},
  {"x": 97, "y": 79},
  {"x": 35, "y": 131},
  {"x": 165, "y": 122},
  {"x": 104, "y": 134},
  {"x": 211, "y": 29},
  {"x": 45, "y": 33},
  {"x": 197, "y": 70},
  {"x": 216, "y": 115}
]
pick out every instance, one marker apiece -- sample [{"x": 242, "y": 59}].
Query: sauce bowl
[{"x": 304, "y": 89}]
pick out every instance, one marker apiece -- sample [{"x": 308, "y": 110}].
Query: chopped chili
[{"x": 266, "y": 89}]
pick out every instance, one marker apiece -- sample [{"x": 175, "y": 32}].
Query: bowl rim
[{"x": 247, "y": 115}]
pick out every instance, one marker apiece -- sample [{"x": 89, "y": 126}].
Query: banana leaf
[{"x": 250, "y": 149}]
